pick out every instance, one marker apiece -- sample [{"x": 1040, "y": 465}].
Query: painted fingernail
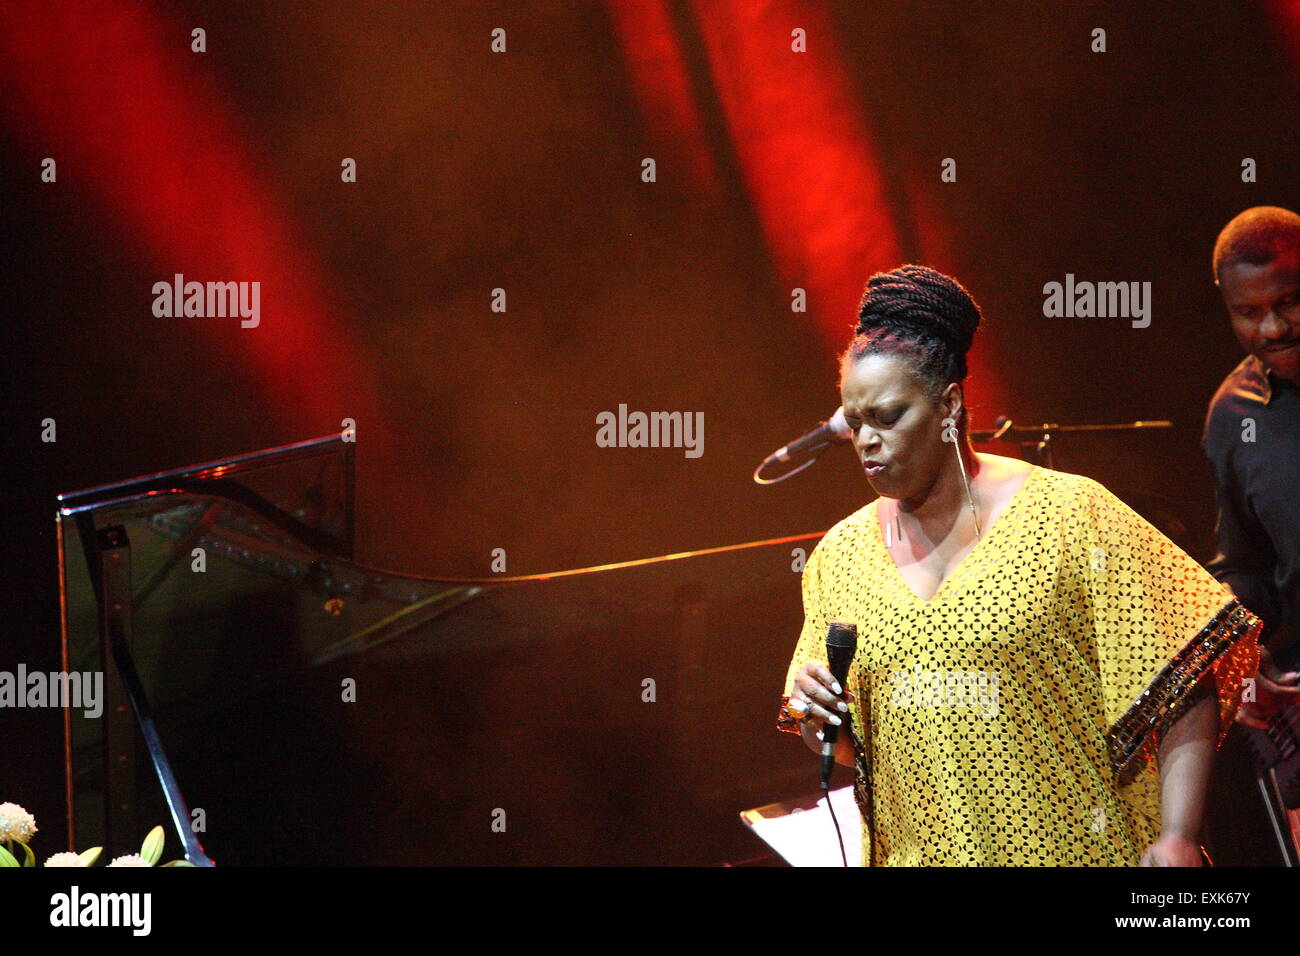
[
  {"x": 837, "y": 688},
  {"x": 820, "y": 735},
  {"x": 834, "y": 720},
  {"x": 844, "y": 707}
]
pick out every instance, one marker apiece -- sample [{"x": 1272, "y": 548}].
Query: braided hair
[{"x": 921, "y": 314}]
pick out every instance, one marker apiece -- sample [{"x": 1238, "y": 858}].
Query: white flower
[
  {"x": 65, "y": 859},
  {"x": 16, "y": 823},
  {"x": 131, "y": 859}
]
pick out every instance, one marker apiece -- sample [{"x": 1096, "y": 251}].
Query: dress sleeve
[
  {"x": 1166, "y": 631},
  {"x": 812, "y": 639}
]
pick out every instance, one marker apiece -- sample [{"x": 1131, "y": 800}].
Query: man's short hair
[{"x": 1256, "y": 237}]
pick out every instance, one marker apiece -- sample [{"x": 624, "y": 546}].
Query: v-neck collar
[{"x": 879, "y": 539}]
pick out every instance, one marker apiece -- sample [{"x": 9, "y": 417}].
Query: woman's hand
[
  {"x": 1173, "y": 849},
  {"x": 815, "y": 684}
]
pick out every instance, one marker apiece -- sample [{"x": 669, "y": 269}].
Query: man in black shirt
[{"x": 1252, "y": 438}]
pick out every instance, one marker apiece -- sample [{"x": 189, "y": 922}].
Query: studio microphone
[
  {"x": 841, "y": 643},
  {"x": 834, "y": 428}
]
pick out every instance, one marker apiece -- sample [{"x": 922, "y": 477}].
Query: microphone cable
[{"x": 830, "y": 805}]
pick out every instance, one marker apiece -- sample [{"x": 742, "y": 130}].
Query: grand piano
[{"x": 272, "y": 701}]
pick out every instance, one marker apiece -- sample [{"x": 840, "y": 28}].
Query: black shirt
[{"x": 1252, "y": 438}]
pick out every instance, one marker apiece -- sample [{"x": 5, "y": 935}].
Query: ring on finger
[{"x": 798, "y": 708}]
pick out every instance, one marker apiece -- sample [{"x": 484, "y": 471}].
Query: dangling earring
[{"x": 950, "y": 435}]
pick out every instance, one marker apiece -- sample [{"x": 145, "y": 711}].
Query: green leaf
[
  {"x": 152, "y": 848},
  {"x": 179, "y": 863},
  {"x": 30, "y": 857},
  {"x": 7, "y": 858},
  {"x": 90, "y": 857}
]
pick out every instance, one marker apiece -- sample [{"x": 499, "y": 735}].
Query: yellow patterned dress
[{"x": 1014, "y": 718}]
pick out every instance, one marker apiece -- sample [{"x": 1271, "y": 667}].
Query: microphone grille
[{"x": 842, "y": 635}]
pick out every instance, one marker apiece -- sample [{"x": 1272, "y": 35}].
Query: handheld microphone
[{"x": 841, "y": 644}]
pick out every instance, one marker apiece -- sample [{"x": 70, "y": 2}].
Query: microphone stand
[
  {"x": 1041, "y": 448},
  {"x": 1037, "y": 449}
]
